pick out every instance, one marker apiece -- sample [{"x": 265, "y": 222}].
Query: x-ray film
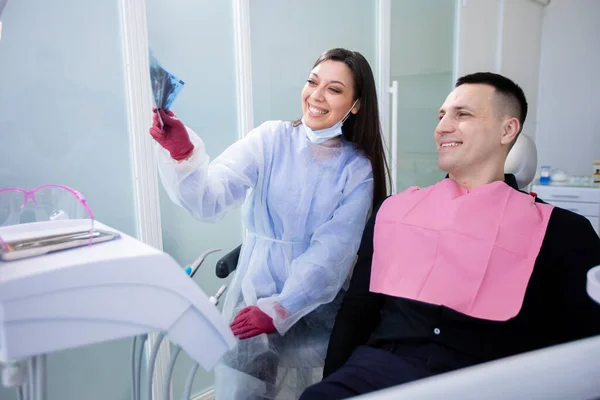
[{"x": 165, "y": 86}]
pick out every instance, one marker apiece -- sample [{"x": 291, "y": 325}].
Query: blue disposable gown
[{"x": 304, "y": 209}]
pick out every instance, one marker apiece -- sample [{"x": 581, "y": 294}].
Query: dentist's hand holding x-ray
[{"x": 173, "y": 136}]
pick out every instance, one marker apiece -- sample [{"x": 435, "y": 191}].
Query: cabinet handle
[{"x": 566, "y": 196}]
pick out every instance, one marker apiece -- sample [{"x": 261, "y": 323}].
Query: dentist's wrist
[{"x": 185, "y": 156}]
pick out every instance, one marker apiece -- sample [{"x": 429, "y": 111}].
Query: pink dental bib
[{"x": 472, "y": 251}]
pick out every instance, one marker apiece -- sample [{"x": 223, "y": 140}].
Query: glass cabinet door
[{"x": 422, "y": 48}]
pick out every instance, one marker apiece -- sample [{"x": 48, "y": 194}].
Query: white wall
[
  {"x": 503, "y": 36},
  {"x": 422, "y": 41},
  {"x": 281, "y": 61},
  {"x": 569, "y": 107},
  {"x": 553, "y": 53},
  {"x": 422, "y": 48}
]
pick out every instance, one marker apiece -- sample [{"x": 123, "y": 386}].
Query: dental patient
[{"x": 466, "y": 271}]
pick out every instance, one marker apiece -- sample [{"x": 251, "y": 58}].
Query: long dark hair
[{"x": 363, "y": 128}]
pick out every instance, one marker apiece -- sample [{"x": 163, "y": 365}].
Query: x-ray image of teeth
[{"x": 165, "y": 86}]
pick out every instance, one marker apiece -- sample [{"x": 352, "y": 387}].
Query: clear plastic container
[{"x": 545, "y": 173}]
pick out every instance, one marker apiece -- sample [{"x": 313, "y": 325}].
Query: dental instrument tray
[{"x": 46, "y": 243}]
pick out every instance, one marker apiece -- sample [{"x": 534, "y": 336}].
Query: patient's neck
[{"x": 473, "y": 177}]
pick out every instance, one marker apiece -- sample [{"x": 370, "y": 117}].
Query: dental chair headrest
[{"x": 522, "y": 161}]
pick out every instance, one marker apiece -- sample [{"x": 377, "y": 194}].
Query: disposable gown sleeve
[
  {"x": 318, "y": 274},
  {"x": 207, "y": 190}
]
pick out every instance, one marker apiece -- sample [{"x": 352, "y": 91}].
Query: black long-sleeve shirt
[{"x": 556, "y": 307}]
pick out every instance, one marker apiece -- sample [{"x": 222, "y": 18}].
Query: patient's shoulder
[
  {"x": 568, "y": 230},
  {"x": 567, "y": 221}
]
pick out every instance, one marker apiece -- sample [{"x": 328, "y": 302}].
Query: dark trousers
[{"x": 370, "y": 369}]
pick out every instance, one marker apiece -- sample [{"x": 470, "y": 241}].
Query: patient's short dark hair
[{"x": 511, "y": 95}]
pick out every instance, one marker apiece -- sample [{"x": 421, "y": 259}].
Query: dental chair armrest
[{"x": 228, "y": 263}]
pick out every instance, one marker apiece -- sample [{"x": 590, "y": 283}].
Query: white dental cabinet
[{"x": 583, "y": 200}]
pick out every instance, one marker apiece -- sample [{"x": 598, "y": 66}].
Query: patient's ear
[{"x": 511, "y": 129}]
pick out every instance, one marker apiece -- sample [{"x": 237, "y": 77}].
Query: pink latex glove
[
  {"x": 250, "y": 322},
  {"x": 172, "y": 136}
]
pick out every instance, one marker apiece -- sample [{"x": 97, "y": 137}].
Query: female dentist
[{"x": 310, "y": 185}]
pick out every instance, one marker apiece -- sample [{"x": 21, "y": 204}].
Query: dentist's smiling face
[{"x": 328, "y": 95}]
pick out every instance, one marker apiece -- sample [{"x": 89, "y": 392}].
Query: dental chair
[
  {"x": 228, "y": 263},
  {"x": 521, "y": 162}
]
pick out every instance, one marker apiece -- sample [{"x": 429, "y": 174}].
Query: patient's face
[{"x": 468, "y": 135}]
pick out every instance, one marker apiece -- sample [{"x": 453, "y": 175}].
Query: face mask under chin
[{"x": 322, "y": 135}]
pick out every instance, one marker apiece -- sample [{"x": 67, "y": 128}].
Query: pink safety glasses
[{"x": 43, "y": 203}]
